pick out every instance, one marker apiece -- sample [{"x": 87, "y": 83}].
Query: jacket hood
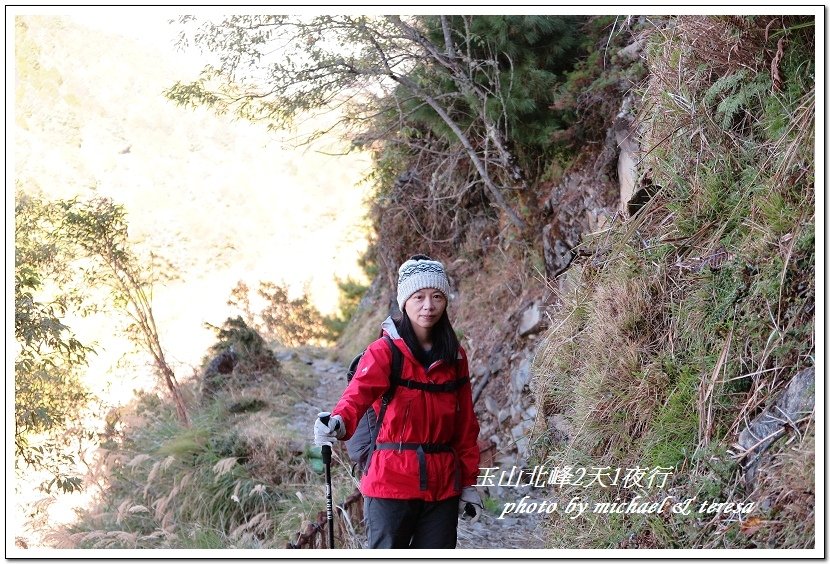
[{"x": 389, "y": 327}]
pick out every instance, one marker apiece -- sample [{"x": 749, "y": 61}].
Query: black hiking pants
[{"x": 411, "y": 523}]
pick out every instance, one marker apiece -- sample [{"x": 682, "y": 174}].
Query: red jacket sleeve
[
  {"x": 370, "y": 381},
  {"x": 466, "y": 442}
]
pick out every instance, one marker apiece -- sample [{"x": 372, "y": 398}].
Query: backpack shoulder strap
[
  {"x": 394, "y": 380},
  {"x": 397, "y": 361}
]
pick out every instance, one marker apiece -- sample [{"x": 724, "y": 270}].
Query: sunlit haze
[
  {"x": 260, "y": 210},
  {"x": 224, "y": 200}
]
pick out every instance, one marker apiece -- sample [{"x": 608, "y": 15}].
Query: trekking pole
[{"x": 326, "y": 452}]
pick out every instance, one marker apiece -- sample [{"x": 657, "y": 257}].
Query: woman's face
[{"x": 425, "y": 307}]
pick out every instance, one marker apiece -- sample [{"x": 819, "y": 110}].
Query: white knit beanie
[{"x": 421, "y": 272}]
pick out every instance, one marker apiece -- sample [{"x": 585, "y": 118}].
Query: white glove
[
  {"x": 469, "y": 505},
  {"x": 326, "y": 434}
]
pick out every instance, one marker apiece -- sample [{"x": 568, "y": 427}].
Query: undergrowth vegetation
[
  {"x": 429, "y": 197},
  {"x": 238, "y": 477},
  {"x": 696, "y": 313}
]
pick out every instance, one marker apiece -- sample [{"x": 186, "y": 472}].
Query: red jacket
[{"x": 414, "y": 416}]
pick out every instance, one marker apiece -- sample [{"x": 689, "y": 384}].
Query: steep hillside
[
  {"x": 641, "y": 341},
  {"x": 661, "y": 305},
  {"x": 680, "y": 367},
  {"x": 223, "y": 200}
]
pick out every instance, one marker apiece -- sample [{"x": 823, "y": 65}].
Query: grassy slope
[
  {"x": 693, "y": 315},
  {"x": 241, "y": 476}
]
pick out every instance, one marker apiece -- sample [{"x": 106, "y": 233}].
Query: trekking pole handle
[{"x": 326, "y": 449}]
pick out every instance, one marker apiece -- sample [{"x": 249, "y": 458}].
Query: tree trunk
[
  {"x": 466, "y": 85},
  {"x": 494, "y": 190},
  {"x": 175, "y": 392}
]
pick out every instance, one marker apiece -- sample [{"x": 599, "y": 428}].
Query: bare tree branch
[{"x": 359, "y": 53}]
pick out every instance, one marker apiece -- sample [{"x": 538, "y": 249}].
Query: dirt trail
[
  {"x": 516, "y": 531},
  {"x": 332, "y": 380}
]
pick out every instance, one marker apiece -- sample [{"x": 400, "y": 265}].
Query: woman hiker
[{"x": 425, "y": 461}]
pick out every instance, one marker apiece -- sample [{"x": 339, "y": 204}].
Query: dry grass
[
  {"x": 695, "y": 313},
  {"x": 598, "y": 371},
  {"x": 231, "y": 480},
  {"x": 787, "y": 484}
]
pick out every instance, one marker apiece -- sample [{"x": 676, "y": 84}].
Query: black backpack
[{"x": 362, "y": 443}]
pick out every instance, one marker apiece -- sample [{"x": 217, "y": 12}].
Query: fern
[
  {"x": 723, "y": 84},
  {"x": 738, "y": 94},
  {"x": 729, "y": 107}
]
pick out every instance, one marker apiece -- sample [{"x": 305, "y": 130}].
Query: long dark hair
[{"x": 444, "y": 342}]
